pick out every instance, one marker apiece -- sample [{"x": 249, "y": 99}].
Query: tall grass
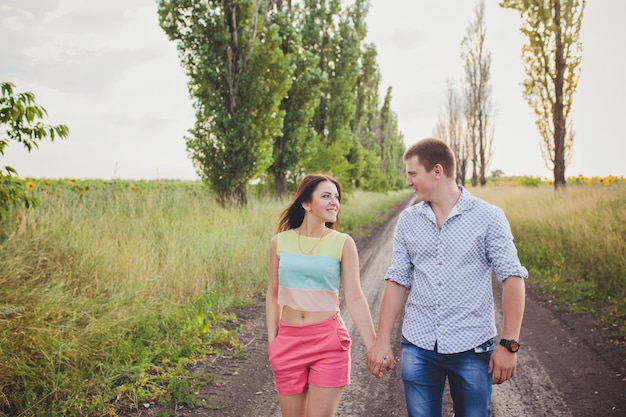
[
  {"x": 574, "y": 244},
  {"x": 108, "y": 292}
]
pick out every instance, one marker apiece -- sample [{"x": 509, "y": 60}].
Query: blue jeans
[{"x": 424, "y": 374}]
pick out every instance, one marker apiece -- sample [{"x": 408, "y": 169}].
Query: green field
[
  {"x": 110, "y": 289},
  {"x": 573, "y": 243}
]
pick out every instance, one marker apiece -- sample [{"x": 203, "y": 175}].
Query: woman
[{"x": 308, "y": 343}]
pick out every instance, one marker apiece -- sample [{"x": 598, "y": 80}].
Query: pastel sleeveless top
[{"x": 309, "y": 282}]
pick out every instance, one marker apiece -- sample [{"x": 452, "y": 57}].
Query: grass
[
  {"x": 573, "y": 243},
  {"x": 109, "y": 290}
]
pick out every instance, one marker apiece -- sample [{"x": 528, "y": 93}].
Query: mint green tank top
[{"x": 309, "y": 282}]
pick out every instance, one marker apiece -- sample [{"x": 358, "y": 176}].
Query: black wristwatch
[{"x": 511, "y": 345}]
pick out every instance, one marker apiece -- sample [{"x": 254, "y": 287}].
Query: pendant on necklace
[{"x": 310, "y": 252}]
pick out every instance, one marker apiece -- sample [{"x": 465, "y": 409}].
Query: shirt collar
[{"x": 464, "y": 203}]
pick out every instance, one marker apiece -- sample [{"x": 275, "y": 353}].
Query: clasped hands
[{"x": 379, "y": 359}]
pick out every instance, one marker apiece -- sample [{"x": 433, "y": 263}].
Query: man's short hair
[{"x": 430, "y": 152}]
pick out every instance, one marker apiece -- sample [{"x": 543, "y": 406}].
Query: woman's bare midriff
[{"x": 299, "y": 318}]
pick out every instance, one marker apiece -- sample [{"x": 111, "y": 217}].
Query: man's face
[{"x": 421, "y": 181}]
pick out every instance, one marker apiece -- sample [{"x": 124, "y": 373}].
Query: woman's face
[{"x": 324, "y": 202}]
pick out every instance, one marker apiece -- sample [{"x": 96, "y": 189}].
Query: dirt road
[{"x": 566, "y": 367}]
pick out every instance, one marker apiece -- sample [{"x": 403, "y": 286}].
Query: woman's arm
[
  {"x": 356, "y": 302},
  {"x": 272, "y": 308},
  {"x": 391, "y": 304}
]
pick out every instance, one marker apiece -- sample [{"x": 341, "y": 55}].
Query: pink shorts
[{"x": 317, "y": 354}]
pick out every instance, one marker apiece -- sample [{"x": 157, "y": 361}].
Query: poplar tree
[
  {"x": 292, "y": 145},
  {"x": 551, "y": 61},
  {"x": 333, "y": 38},
  {"x": 368, "y": 82},
  {"x": 366, "y": 119},
  {"x": 479, "y": 112},
  {"x": 451, "y": 128},
  {"x": 238, "y": 77},
  {"x": 391, "y": 145}
]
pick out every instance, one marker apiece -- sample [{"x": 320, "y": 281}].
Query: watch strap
[{"x": 511, "y": 345}]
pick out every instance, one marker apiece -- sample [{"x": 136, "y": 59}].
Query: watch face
[{"x": 511, "y": 345}]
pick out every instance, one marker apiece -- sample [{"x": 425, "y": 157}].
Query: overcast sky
[{"x": 107, "y": 70}]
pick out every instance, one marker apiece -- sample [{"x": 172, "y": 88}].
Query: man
[{"x": 445, "y": 248}]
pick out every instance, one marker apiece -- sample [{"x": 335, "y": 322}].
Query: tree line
[{"x": 281, "y": 88}]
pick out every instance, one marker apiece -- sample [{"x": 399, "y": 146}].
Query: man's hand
[
  {"x": 380, "y": 358},
  {"x": 503, "y": 365}
]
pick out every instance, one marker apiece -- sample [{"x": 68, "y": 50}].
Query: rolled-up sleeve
[
  {"x": 501, "y": 250},
  {"x": 401, "y": 268}
]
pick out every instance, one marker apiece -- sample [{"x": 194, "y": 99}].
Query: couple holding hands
[{"x": 445, "y": 248}]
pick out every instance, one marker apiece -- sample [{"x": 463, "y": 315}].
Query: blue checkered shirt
[{"x": 448, "y": 272}]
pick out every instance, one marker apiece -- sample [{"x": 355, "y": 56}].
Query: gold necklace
[{"x": 310, "y": 252}]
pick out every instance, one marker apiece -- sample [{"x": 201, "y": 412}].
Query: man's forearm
[
  {"x": 391, "y": 305},
  {"x": 513, "y": 302}
]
